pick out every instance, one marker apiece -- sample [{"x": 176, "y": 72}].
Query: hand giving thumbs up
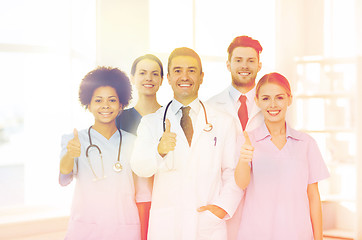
[
  {"x": 247, "y": 150},
  {"x": 168, "y": 140},
  {"x": 73, "y": 146}
]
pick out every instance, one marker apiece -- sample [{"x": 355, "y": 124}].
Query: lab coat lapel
[
  {"x": 255, "y": 118},
  {"x": 176, "y": 128},
  {"x": 199, "y": 126},
  {"x": 225, "y": 102}
]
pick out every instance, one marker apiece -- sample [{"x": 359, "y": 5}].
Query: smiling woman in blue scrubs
[{"x": 106, "y": 191}]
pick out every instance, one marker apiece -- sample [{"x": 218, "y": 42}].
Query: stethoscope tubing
[{"x": 208, "y": 127}]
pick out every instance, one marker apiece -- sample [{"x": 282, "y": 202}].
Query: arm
[
  {"x": 149, "y": 153},
  {"x": 315, "y": 210}
]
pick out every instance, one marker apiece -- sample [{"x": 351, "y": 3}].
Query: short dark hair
[
  {"x": 244, "y": 41},
  {"x": 183, "y": 51},
  {"x": 147, "y": 56},
  {"x": 102, "y": 77},
  {"x": 276, "y": 78}
]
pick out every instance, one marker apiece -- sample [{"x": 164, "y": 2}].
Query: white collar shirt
[{"x": 235, "y": 95}]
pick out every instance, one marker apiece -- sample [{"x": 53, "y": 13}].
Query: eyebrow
[
  {"x": 246, "y": 57},
  {"x": 281, "y": 94},
  {"x": 108, "y": 97}
]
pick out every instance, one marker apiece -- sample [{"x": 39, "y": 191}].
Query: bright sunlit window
[{"x": 45, "y": 49}]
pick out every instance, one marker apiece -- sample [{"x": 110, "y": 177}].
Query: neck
[
  {"x": 147, "y": 104},
  {"x": 185, "y": 101},
  {"x": 276, "y": 128},
  {"x": 107, "y": 130},
  {"x": 244, "y": 88}
]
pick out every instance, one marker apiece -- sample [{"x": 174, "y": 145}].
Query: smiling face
[
  {"x": 273, "y": 100},
  {"x": 244, "y": 65},
  {"x": 185, "y": 78},
  {"x": 105, "y": 105},
  {"x": 147, "y": 77}
]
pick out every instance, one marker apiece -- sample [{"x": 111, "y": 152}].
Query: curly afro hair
[{"x": 102, "y": 77}]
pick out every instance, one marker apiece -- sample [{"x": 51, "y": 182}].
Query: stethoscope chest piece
[
  {"x": 117, "y": 167},
  {"x": 208, "y": 127}
]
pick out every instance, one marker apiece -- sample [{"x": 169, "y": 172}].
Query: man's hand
[
  {"x": 168, "y": 140},
  {"x": 217, "y": 211}
]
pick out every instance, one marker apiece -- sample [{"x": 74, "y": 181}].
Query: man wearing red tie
[{"x": 238, "y": 99}]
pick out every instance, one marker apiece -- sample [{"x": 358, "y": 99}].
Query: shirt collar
[
  {"x": 176, "y": 106},
  {"x": 262, "y": 132},
  {"x": 235, "y": 94}
]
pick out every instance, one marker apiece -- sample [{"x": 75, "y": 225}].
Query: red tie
[{"x": 243, "y": 112}]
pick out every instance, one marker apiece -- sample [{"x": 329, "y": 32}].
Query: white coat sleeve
[
  {"x": 230, "y": 194},
  {"x": 145, "y": 158}
]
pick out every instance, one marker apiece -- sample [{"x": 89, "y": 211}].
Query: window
[{"x": 45, "y": 49}]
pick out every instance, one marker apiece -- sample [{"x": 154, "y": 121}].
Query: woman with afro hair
[{"x": 106, "y": 191}]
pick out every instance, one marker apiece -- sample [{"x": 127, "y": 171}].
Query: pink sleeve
[{"x": 317, "y": 167}]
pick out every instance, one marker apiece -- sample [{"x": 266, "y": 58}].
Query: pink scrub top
[{"x": 276, "y": 201}]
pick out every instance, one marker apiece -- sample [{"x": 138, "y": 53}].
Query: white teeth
[
  {"x": 148, "y": 85},
  {"x": 273, "y": 112},
  {"x": 185, "y": 85},
  {"x": 244, "y": 73}
]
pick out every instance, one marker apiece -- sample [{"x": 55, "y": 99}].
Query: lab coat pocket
[{"x": 211, "y": 227}]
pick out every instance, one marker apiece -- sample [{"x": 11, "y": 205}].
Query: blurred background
[{"x": 47, "y": 46}]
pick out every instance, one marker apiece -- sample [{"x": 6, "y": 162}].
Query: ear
[
  {"x": 228, "y": 65},
  {"x": 161, "y": 81},
  {"x": 168, "y": 78},
  {"x": 256, "y": 101},
  {"x": 260, "y": 65},
  {"x": 132, "y": 80},
  {"x": 201, "y": 78},
  {"x": 290, "y": 100}
]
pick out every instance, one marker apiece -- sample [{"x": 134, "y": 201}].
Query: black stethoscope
[
  {"x": 208, "y": 127},
  {"x": 116, "y": 167}
]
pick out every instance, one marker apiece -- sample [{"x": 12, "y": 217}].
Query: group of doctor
[{"x": 225, "y": 169}]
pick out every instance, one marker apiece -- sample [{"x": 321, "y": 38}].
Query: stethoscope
[
  {"x": 116, "y": 167},
  {"x": 208, "y": 127}
]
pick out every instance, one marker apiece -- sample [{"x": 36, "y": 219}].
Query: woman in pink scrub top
[{"x": 282, "y": 200}]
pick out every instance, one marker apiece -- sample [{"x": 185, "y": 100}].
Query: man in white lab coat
[
  {"x": 244, "y": 64},
  {"x": 192, "y": 153}
]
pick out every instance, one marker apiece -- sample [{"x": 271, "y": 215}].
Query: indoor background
[{"x": 47, "y": 46}]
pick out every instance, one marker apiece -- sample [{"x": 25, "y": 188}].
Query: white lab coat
[
  {"x": 224, "y": 102},
  {"x": 189, "y": 177}
]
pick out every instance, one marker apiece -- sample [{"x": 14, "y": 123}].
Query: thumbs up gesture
[
  {"x": 168, "y": 140},
  {"x": 73, "y": 146},
  {"x": 247, "y": 150}
]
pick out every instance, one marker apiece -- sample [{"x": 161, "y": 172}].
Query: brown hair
[
  {"x": 183, "y": 51},
  {"x": 244, "y": 41}
]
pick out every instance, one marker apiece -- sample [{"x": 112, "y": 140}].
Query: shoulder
[
  {"x": 216, "y": 112},
  {"x": 127, "y": 136},
  {"x": 299, "y": 135},
  {"x": 153, "y": 116},
  {"x": 219, "y": 98}
]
